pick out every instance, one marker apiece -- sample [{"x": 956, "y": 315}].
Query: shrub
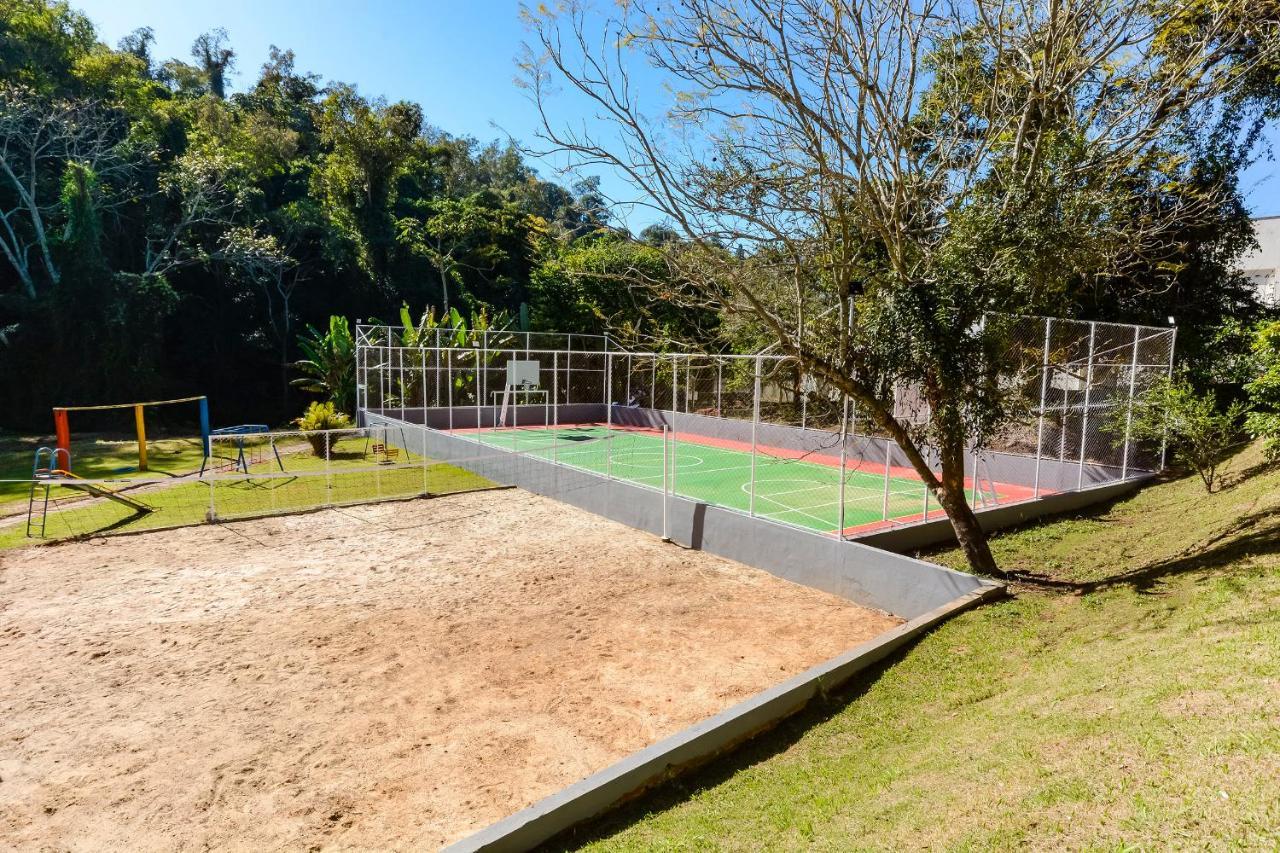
[
  {"x": 321, "y": 416},
  {"x": 1264, "y": 389},
  {"x": 1197, "y": 431}
]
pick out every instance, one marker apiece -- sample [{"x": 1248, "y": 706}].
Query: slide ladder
[{"x": 45, "y": 462}]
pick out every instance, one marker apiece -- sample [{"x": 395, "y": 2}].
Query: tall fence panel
[{"x": 761, "y": 435}]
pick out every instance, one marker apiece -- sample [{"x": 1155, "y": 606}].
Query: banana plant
[{"x": 328, "y": 365}]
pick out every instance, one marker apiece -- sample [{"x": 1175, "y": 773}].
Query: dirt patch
[{"x": 395, "y": 675}]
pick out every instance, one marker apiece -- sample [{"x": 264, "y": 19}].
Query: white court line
[
  {"x": 767, "y": 462},
  {"x": 825, "y": 523}
]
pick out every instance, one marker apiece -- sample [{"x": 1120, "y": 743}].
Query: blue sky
[{"x": 455, "y": 57}]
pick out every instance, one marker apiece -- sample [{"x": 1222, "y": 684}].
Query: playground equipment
[
  {"x": 62, "y": 426},
  {"x": 49, "y": 475},
  {"x": 240, "y": 431}
]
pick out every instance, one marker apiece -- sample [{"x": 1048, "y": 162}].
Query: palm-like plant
[{"x": 328, "y": 364}]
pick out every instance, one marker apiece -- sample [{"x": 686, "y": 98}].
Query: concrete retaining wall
[
  {"x": 699, "y": 743},
  {"x": 869, "y": 576},
  {"x": 920, "y": 592},
  {"x": 908, "y": 538},
  {"x": 1058, "y": 480}
]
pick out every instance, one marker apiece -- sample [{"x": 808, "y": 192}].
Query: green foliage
[
  {"x": 181, "y": 232},
  {"x": 40, "y": 44},
  {"x": 606, "y": 281},
  {"x": 328, "y": 364},
  {"x": 1196, "y": 429},
  {"x": 1264, "y": 389},
  {"x": 319, "y": 417}
]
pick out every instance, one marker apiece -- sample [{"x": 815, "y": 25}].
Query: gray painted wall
[
  {"x": 869, "y": 576},
  {"x": 912, "y": 537}
]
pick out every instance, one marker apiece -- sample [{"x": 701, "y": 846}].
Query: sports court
[{"x": 796, "y": 487}]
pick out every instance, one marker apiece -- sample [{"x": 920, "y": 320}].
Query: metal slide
[{"x": 69, "y": 481}]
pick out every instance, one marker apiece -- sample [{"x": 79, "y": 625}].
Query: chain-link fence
[
  {"x": 761, "y": 435},
  {"x": 243, "y": 476}
]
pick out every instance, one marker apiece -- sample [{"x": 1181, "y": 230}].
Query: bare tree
[
  {"x": 38, "y": 136},
  {"x": 200, "y": 188},
  {"x": 866, "y": 180},
  {"x": 269, "y": 266}
]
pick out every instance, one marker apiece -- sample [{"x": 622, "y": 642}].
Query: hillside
[{"x": 1133, "y": 696}]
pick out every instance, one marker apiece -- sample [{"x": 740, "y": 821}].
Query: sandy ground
[{"x": 389, "y": 676}]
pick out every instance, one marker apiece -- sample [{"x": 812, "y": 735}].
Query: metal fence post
[
  {"x": 755, "y": 423},
  {"x": 555, "y": 406},
  {"x": 1173, "y": 342},
  {"x": 675, "y": 401},
  {"x": 1128, "y": 417},
  {"x": 688, "y": 381},
  {"x": 1084, "y": 421},
  {"x": 515, "y": 408},
  {"x": 608, "y": 415},
  {"x": 666, "y": 535},
  {"x": 888, "y": 452},
  {"x": 328, "y": 468},
  {"x": 719, "y": 388},
  {"x": 653, "y": 383},
  {"x": 804, "y": 405},
  {"x": 844, "y": 455},
  {"x": 448, "y": 366},
  {"x": 484, "y": 372},
  {"x": 1044, "y": 390},
  {"x": 475, "y": 354},
  {"x": 360, "y": 374},
  {"x": 384, "y": 378}
]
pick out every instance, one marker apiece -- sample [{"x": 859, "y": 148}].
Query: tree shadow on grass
[
  {"x": 1249, "y": 535},
  {"x": 720, "y": 769}
]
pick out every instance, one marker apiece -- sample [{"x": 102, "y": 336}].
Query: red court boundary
[{"x": 1006, "y": 493}]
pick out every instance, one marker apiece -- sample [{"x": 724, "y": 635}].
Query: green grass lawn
[
  {"x": 355, "y": 476},
  {"x": 93, "y": 456},
  {"x": 1131, "y": 700}
]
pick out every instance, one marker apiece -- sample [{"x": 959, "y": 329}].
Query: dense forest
[
  {"x": 164, "y": 236},
  {"x": 161, "y": 235}
]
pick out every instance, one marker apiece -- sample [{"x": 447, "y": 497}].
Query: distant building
[{"x": 1262, "y": 266}]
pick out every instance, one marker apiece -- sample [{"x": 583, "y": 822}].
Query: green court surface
[{"x": 801, "y": 492}]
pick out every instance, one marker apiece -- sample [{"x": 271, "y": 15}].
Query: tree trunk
[
  {"x": 969, "y": 532},
  {"x": 949, "y": 490}
]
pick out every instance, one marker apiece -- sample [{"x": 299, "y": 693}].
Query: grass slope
[{"x": 1132, "y": 699}]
